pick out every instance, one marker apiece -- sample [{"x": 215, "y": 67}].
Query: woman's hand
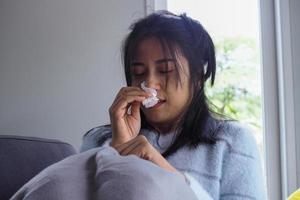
[
  {"x": 125, "y": 125},
  {"x": 141, "y": 147}
]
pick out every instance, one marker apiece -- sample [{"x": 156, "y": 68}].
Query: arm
[
  {"x": 96, "y": 137},
  {"x": 196, "y": 187},
  {"x": 140, "y": 147},
  {"x": 242, "y": 175}
]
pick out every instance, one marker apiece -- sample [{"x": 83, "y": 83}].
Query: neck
[{"x": 164, "y": 128}]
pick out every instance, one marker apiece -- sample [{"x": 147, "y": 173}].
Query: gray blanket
[{"x": 102, "y": 174}]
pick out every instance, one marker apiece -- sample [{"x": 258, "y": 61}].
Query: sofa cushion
[{"x": 21, "y": 158}]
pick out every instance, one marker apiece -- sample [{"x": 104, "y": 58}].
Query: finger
[
  {"x": 123, "y": 103},
  {"x": 131, "y": 95},
  {"x": 139, "y": 151},
  {"x": 116, "y": 101},
  {"x": 131, "y": 91},
  {"x": 138, "y": 141},
  {"x": 137, "y": 93},
  {"x": 125, "y": 92},
  {"x": 135, "y": 110},
  {"x": 123, "y": 146},
  {"x": 129, "y": 148},
  {"x": 130, "y": 88}
]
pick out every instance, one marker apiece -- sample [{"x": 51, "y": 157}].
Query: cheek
[
  {"x": 178, "y": 97},
  {"x": 182, "y": 95},
  {"x": 136, "y": 83},
  {"x": 175, "y": 88}
]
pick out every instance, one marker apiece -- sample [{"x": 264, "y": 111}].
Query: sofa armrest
[{"x": 21, "y": 158}]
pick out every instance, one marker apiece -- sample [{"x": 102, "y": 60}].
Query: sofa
[{"x": 21, "y": 158}]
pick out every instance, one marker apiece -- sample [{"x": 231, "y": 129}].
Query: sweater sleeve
[
  {"x": 242, "y": 174},
  {"x": 96, "y": 137},
  {"x": 196, "y": 187}
]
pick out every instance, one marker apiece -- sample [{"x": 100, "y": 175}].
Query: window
[
  {"x": 234, "y": 27},
  {"x": 274, "y": 26}
]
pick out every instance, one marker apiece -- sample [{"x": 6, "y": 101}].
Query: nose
[{"x": 153, "y": 81}]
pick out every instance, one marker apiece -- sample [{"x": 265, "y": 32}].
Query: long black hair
[{"x": 180, "y": 31}]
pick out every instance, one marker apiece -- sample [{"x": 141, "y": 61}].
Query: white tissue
[{"x": 152, "y": 100}]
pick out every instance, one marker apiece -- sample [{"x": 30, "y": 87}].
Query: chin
[
  {"x": 158, "y": 119},
  {"x": 155, "y": 119}
]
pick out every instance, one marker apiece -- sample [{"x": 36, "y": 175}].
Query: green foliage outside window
[{"x": 237, "y": 89}]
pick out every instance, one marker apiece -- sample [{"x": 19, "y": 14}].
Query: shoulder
[
  {"x": 242, "y": 172},
  {"x": 98, "y": 131},
  {"x": 96, "y": 137},
  {"x": 239, "y": 138}
]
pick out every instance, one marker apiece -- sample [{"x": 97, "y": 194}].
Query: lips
[{"x": 160, "y": 102}]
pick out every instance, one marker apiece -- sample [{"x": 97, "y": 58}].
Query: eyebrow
[
  {"x": 164, "y": 60},
  {"x": 137, "y": 64}
]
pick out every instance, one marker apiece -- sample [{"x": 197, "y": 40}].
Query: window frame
[
  {"x": 279, "y": 117},
  {"x": 286, "y": 97},
  {"x": 270, "y": 94},
  {"x": 152, "y": 5}
]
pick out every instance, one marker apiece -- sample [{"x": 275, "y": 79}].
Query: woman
[{"x": 174, "y": 55}]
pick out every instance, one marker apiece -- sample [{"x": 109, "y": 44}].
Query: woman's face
[{"x": 152, "y": 66}]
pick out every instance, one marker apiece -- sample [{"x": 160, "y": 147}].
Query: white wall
[{"x": 60, "y": 64}]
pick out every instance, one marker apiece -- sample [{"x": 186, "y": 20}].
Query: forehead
[{"x": 151, "y": 48}]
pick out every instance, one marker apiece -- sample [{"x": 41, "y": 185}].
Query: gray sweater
[{"x": 229, "y": 170}]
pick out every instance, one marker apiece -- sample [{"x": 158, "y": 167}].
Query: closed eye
[
  {"x": 166, "y": 66},
  {"x": 138, "y": 69},
  {"x": 166, "y": 71},
  {"x": 140, "y": 74}
]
